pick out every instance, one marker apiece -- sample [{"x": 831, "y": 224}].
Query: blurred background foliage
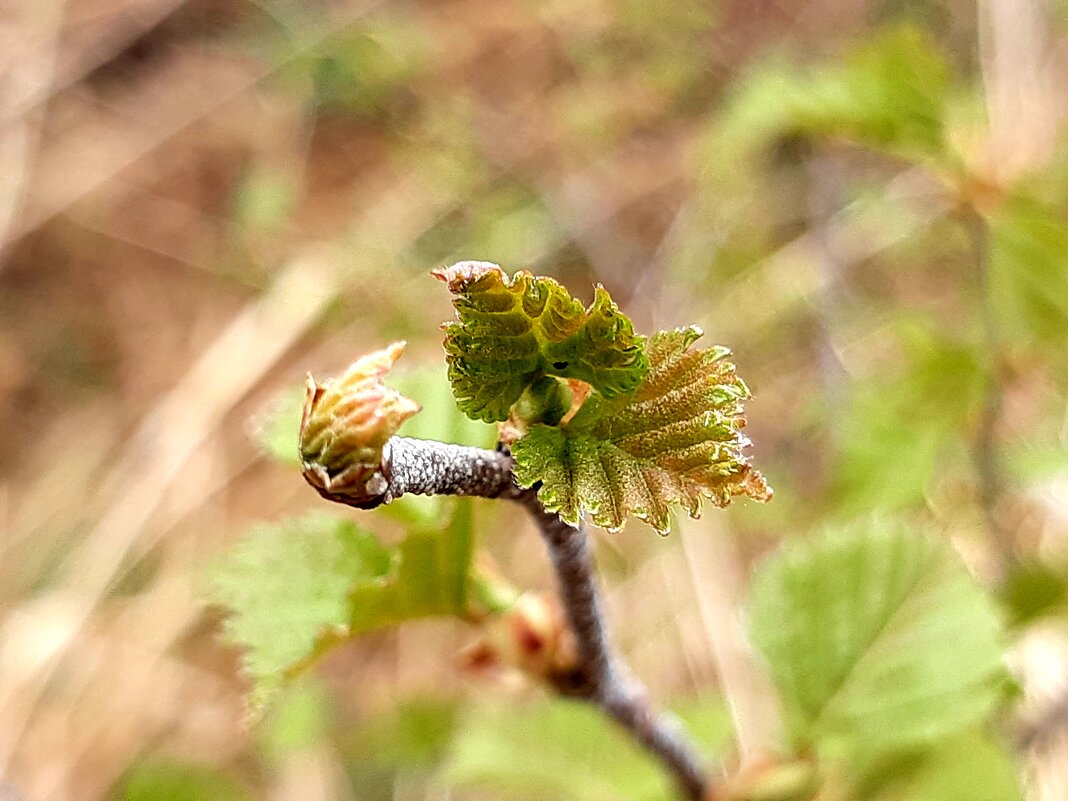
[{"x": 200, "y": 200}]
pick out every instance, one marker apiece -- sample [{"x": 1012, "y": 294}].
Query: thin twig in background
[
  {"x": 984, "y": 447},
  {"x": 112, "y": 35},
  {"x": 144, "y": 141},
  {"x": 158, "y": 452},
  {"x": 716, "y": 573},
  {"x": 26, "y": 74}
]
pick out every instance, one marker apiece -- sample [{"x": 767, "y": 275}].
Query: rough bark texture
[
  {"x": 422, "y": 467},
  {"x": 425, "y": 467}
]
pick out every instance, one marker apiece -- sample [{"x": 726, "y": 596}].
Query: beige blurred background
[{"x": 200, "y": 201}]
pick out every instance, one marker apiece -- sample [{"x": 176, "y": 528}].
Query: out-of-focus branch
[
  {"x": 984, "y": 447},
  {"x": 599, "y": 675}
]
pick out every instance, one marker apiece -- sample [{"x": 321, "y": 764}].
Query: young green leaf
[
  {"x": 676, "y": 439},
  {"x": 297, "y": 588},
  {"x": 287, "y": 585},
  {"x": 511, "y": 332},
  {"x": 970, "y": 766},
  {"x": 876, "y": 638}
]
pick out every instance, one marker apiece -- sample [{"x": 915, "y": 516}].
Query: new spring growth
[{"x": 345, "y": 425}]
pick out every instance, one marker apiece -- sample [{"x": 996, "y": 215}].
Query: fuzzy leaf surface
[
  {"x": 510, "y": 332},
  {"x": 297, "y": 588},
  {"x": 286, "y": 585},
  {"x": 676, "y": 439},
  {"x": 877, "y": 638}
]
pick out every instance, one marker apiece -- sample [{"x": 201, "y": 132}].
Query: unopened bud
[
  {"x": 532, "y": 637},
  {"x": 346, "y": 423}
]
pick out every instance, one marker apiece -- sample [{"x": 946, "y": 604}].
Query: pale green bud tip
[{"x": 346, "y": 423}]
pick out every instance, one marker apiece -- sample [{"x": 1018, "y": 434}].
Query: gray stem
[{"x": 423, "y": 467}]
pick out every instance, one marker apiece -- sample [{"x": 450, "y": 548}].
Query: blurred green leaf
[
  {"x": 298, "y": 719},
  {"x": 557, "y": 750},
  {"x": 161, "y": 779},
  {"x": 1029, "y": 271},
  {"x": 361, "y": 67},
  {"x": 888, "y": 92},
  {"x": 414, "y": 735},
  {"x": 876, "y": 637},
  {"x": 286, "y": 585},
  {"x": 965, "y": 767},
  {"x": 439, "y": 418},
  {"x": 276, "y": 429},
  {"x": 299, "y": 587},
  {"x": 900, "y": 427},
  {"x": 402, "y": 746},
  {"x": 428, "y": 576}
]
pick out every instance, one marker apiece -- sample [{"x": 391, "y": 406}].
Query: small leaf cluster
[
  {"x": 658, "y": 422},
  {"x": 512, "y": 332}
]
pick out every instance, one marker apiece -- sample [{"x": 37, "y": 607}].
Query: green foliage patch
[
  {"x": 296, "y": 588},
  {"x": 579, "y": 755},
  {"x": 877, "y": 638}
]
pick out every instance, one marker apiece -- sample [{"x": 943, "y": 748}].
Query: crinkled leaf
[
  {"x": 676, "y": 439},
  {"x": 286, "y": 585},
  {"x": 513, "y": 331},
  {"x": 297, "y": 588},
  {"x": 876, "y": 637}
]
